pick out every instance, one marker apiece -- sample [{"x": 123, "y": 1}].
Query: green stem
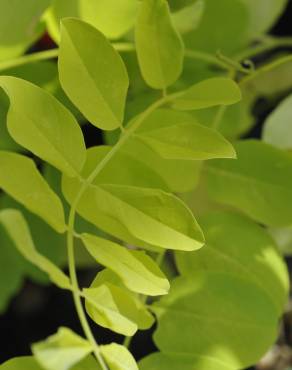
[
  {"x": 206, "y": 57},
  {"x": 266, "y": 68},
  {"x": 51, "y": 54},
  {"x": 72, "y": 214}
]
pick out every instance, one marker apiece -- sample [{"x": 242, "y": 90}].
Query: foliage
[{"x": 166, "y": 84}]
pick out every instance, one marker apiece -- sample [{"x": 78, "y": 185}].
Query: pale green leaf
[
  {"x": 30, "y": 363},
  {"x": 19, "y": 232},
  {"x": 40, "y": 123},
  {"x": 189, "y": 17},
  {"x": 283, "y": 238},
  {"x": 278, "y": 125},
  {"x": 122, "y": 169},
  {"x": 236, "y": 245},
  {"x": 137, "y": 270},
  {"x": 34, "y": 193},
  {"x": 186, "y": 140},
  {"x": 259, "y": 182},
  {"x": 209, "y": 93},
  {"x": 62, "y": 350},
  {"x": 102, "y": 305},
  {"x": 223, "y": 27},
  {"x": 159, "y": 47},
  {"x": 180, "y": 176},
  {"x": 138, "y": 215},
  {"x": 212, "y": 321},
  {"x": 110, "y": 17},
  {"x": 84, "y": 53},
  {"x": 263, "y": 14},
  {"x": 118, "y": 357},
  {"x": 128, "y": 302},
  {"x": 20, "y": 25}
]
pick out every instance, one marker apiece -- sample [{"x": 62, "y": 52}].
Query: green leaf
[
  {"x": 263, "y": 14},
  {"x": 137, "y": 270},
  {"x": 30, "y": 363},
  {"x": 122, "y": 169},
  {"x": 212, "y": 321},
  {"x": 99, "y": 96},
  {"x": 224, "y": 26},
  {"x": 263, "y": 175},
  {"x": 18, "y": 230},
  {"x": 176, "y": 5},
  {"x": 112, "y": 18},
  {"x": 238, "y": 246},
  {"x": 37, "y": 121},
  {"x": 189, "y": 17},
  {"x": 159, "y": 47},
  {"x": 283, "y": 239},
  {"x": 118, "y": 357},
  {"x": 128, "y": 302},
  {"x": 277, "y": 127},
  {"x": 208, "y": 93},
  {"x": 34, "y": 193},
  {"x": 149, "y": 215},
  {"x": 61, "y": 351},
  {"x": 102, "y": 305},
  {"x": 19, "y": 25},
  {"x": 185, "y": 140},
  {"x": 180, "y": 176}
]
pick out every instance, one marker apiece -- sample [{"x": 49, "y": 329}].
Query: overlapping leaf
[
  {"x": 92, "y": 74},
  {"x": 137, "y": 270},
  {"x": 159, "y": 47},
  {"x": 37, "y": 121},
  {"x": 18, "y": 230},
  {"x": 34, "y": 193},
  {"x": 259, "y": 182},
  {"x": 118, "y": 357}
]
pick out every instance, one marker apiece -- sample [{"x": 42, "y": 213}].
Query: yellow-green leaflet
[
  {"x": 118, "y": 357},
  {"x": 17, "y": 228},
  {"x": 159, "y": 46},
  {"x": 34, "y": 192},
  {"x": 62, "y": 350},
  {"x": 40, "y": 123},
  {"x": 208, "y": 93},
  {"x": 137, "y": 270},
  {"x": 92, "y": 74}
]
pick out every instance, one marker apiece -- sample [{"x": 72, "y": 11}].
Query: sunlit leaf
[
  {"x": 259, "y": 182},
  {"x": 212, "y": 321},
  {"x": 159, "y": 47},
  {"x": 118, "y": 357},
  {"x": 61, "y": 351},
  {"x": 37, "y": 121},
  {"x": 110, "y": 17},
  {"x": 208, "y": 93},
  {"x": 137, "y": 270},
  {"x": 17, "y": 228},
  {"x": 34, "y": 193},
  {"x": 278, "y": 125},
  {"x": 236, "y": 245},
  {"x": 138, "y": 215},
  {"x": 189, "y": 17},
  {"x": 84, "y": 53}
]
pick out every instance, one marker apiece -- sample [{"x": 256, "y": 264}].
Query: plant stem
[
  {"x": 206, "y": 57},
  {"x": 71, "y": 222},
  {"x": 51, "y": 54}
]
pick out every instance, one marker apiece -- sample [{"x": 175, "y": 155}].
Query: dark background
[{"x": 38, "y": 311}]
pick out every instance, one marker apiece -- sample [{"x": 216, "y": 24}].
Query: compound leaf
[
  {"x": 159, "y": 47},
  {"x": 34, "y": 192},
  {"x": 208, "y": 93},
  {"x": 40, "y": 123},
  {"x": 92, "y": 74},
  {"x": 137, "y": 270},
  {"x": 17, "y": 228}
]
